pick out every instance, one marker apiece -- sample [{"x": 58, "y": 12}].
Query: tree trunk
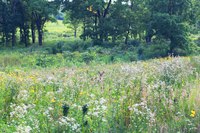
[
  {"x": 84, "y": 29},
  {"x": 95, "y": 27},
  {"x": 75, "y": 32},
  {"x": 25, "y": 40},
  {"x": 127, "y": 35},
  {"x": 40, "y": 37},
  {"x": 33, "y": 32},
  {"x": 40, "y": 32},
  {"x": 7, "y": 38},
  {"x": 21, "y": 35},
  {"x": 126, "y": 39},
  {"x": 101, "y": 37},
  {"x": 101, "y": 31},
  {"x": 26, "y": 34},
  {"x": 13, "y": 37},
  {"x": 148, "y": 39},
  {"x": 3, "y": 38}
]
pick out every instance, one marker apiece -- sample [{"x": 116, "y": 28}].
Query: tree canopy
[{"x": 103, "y": 20}]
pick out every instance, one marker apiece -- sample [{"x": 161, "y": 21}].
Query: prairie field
[
  {"x": 99, "y": 66},
  {"x": 158, "y": 95}
]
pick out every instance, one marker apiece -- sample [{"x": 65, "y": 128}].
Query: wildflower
[
  {"x": 193, "y": 113},
  {"x": 92, "y": 95},
  {"x": 23, "y": 129},
  {"x": 53, "y": 100},
  {"x": 19, "y": 111},
  {"x": 102, "y": 101},
  {"x": 23, "y": 95},
  {"x": 69, "y": 122},
  {"x": 81, "y": 93},
  {"x": 32, "y": 91}
]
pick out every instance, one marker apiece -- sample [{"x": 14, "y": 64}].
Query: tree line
[
  {"x": 27, "y": 16},
  {"x": 103, "y": 20}
]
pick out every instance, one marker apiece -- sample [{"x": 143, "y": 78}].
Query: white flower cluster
[
  {"x": 132, "y": 69},
  {"x": 142, "y": 110},
  {"x": 98, "y": 108},
  {"x": 47, "y": 113},
  {"x": 23, "y": 95},
  {"x": 23, "y": 129},
  {"x": 175, "y": 69},
  {"x": 19, "y": 111},
  {"x": 34, "y": 123},
  {"x": 70, "y": 123}
]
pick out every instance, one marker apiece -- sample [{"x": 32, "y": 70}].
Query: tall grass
[{"x": 160, "y": 95}]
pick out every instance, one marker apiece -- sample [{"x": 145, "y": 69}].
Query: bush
[
  {"x": 179, "y": 52},
  {"x": 134, "y": 43},
  {"x": 58, "y": 48},
  {"x": 158, "y": 49},
  {"x": 88, "y": 57},
  {"x": 193, "y": 49}
]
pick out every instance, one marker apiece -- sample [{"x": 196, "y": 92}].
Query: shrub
[
  {"x": 88, "y": 57},
  {"x": 158, "y": 49}
]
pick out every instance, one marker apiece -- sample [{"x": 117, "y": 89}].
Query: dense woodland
[{"x": 168, "y": 21}]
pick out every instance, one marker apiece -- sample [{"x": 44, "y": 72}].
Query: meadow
[
  {"x": 159, "y": 95},
  {"x": 71, "y": 86}
]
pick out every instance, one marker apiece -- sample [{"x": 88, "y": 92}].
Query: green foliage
[
  {"x": 160, "y": 49},
  {"x": 144, "y": 96},
  {"x": 103, "y": 22},
  {"x": 169, "y": 19},
  {"x": 74, "y": 23}
]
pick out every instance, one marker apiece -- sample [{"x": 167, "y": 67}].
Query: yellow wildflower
[
  {"x": 32, "y": 91},
  {"x": 193, "y": 113},
  {"x": 53, "y": 100},
  {"x": 81, "y": 93}
]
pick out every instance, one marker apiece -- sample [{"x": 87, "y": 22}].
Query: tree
[
  {"x": 104, "y": 19},
  {"x": 74, "y": 23},
  {"x": 170, "y": 19},
  {"x": 5, "y": 21},
  {"x": 24, "y": 22},
  {"x": 41, "y": 12},
  {"x": 93, "y": 14},
  {"x": 25, "y": 14}
]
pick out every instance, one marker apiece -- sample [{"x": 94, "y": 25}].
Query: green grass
[
  {"x": 59, "y": 32},
  {"x": 68, "y": 85},
  {"x": 149, "y": 96},
  {"x": 57, "y": 27}
]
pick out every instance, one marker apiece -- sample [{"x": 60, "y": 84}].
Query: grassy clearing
[
  {"x": 57, "y": 27},
  {"x": 160, "y": 95},
  {"x": 59, "y": 32}
]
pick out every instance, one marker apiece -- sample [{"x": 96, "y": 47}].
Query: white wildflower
[{"x": 23, "y": 129}]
